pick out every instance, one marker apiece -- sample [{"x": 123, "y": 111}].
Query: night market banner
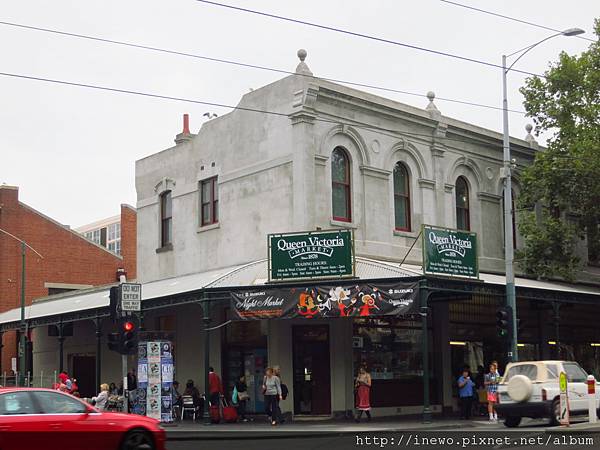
[{"x": 357, "y": 300}]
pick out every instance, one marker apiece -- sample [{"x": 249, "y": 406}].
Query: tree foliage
[{"x": 564, "y": 180}]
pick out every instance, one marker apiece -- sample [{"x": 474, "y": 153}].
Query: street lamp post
[
  {"x": 511, "y": 300},
  {"x": 23, "y": 325}
]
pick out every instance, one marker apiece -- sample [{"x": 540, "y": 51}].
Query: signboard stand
[
  {"x": 154, "y": 396},
  {"x": 564, "y": 400}
]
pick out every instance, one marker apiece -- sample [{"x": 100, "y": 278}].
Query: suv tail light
[{"x": 544, "y": 395}]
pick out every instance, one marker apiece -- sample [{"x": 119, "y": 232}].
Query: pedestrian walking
[
  {"x": 215, "y": 387},
  {"x": 465, "y": 393},
  {"x": 284, "y": 389},
  {"x": 492, "y": 379},
  {"x": 272, "y": 392},
  {"x": 242, "y": 397},
  {"x": 101, "y": 399},
  {"x": 362, "y": 386}
]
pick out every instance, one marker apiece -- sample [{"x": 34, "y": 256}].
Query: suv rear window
[{"x": 529, "y": 370}]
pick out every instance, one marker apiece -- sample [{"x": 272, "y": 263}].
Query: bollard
[
  {"x": 591, "y": 385},
  {"x": 4, "y": 379},
  {"x": 41, "y": 378}
]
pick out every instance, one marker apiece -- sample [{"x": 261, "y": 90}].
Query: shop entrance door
[
  {"x": 84, "y": 371},
  {"x": 312, "y": 377}
]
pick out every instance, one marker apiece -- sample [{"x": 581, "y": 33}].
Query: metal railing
[{"x": 39, "y": 380}]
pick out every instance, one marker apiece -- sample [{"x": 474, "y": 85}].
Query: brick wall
[{"x": 67, "y": 257}]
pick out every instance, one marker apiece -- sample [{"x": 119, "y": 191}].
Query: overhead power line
[
  {"x": 365, "y": 36},
  {"x": 223, "y": 105},
  {"x": 241, "y": 64},
  {"x": 514, "y": 19}
]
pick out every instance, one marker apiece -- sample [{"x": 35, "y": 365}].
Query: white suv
[{"x": 530, "y": 389}]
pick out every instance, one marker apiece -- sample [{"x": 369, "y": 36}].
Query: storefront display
[{"x": 390, "y": 349}]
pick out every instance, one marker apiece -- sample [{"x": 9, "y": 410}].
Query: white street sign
[{"x": 131, "y": 297}]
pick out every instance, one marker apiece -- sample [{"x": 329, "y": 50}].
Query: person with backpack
[{"x": 284, "y": 390}]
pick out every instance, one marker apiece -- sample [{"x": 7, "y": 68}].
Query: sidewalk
[{"x": 260, "y": 428}]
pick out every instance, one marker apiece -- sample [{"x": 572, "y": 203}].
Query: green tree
[{"x": 563, "y": 183}]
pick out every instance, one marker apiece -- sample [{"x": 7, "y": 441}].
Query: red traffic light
[{"x": 128, "y": 326}]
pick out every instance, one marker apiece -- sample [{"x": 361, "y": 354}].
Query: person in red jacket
[{"x": 215, "y": 387}]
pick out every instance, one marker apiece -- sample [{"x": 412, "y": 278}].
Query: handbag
[
  {"x": 235, "y": 396},
  {"x": 264, "y": 385},
  {"x": 243, "y": 396}
]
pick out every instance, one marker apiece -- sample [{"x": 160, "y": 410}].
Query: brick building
[{"x": 69, "y": 262}]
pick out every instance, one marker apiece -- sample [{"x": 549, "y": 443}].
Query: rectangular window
[
  {"x": 103, "y": 237},
  {"x": 209, "y": 202},
  {"x": 118, "y": 246},
  {"x": 166, "y": 219}
]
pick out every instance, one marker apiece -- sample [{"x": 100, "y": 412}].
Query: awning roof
[{"x": 254, "y": 273}]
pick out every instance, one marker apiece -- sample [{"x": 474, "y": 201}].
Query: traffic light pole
[{"x": 125, "y": 387}]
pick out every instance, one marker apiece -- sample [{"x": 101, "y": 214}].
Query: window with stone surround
[
  {"x": 463, "y": 220},
  {"x": 209, "y": 202},
  {"x": 340, "y": 185},
  {"x": 166, "y": 219},
  {"x": 401, "y": 198}
]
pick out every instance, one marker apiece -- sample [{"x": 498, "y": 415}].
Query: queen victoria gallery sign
[
  {"x": 311, "y": 255},
  {"x": 449, "y": 252}
]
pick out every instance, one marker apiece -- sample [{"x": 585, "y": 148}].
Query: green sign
[
  {"x": 449, "y": 252},
  {"x": 308, "y": 255}
]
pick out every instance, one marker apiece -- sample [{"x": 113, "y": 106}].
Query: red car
[{"x": 45, "y": 419}]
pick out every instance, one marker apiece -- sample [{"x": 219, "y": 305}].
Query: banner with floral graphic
[{"x": 349, "y": 300}]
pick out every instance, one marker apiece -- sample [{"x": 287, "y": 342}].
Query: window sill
[
  {"x": 342, "y": 224},
  {"x": 407, "y": 234},
  {"x": 204, "y": 228},
  {"x": 166, "y": 248}
]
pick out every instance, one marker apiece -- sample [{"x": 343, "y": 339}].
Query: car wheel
[
  {"x": 555, "y": 412},
  {"x": 137, "y": 440},
  {"x": 512, "y": 421}
]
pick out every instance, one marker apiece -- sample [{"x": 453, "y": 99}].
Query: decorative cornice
[
  {"x": 302, "y": 116},
  {"x": 448, "y": 187},
  {"x": 438, "y": 150},
  {"x": 163, "y": 185},
  {"x": 426, "y": 184},
  {"x": 487, "y": 197},
  {"x": 375, "y": 172},
  {"x": 321, "y": 160}
]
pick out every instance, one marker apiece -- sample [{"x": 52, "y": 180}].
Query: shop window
[
  {"x": 463, "y": 220},
  {"x": 166, "y": 219},
  {"x": 401, "y": 198},
  {"x": 209, "y": 205},
  {"x": 340, "y": 185},
  {"x": 391, "y": 351}
]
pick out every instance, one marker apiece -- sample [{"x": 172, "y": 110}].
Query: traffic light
[
  {"x": 503, "y": 322},
  {"x": 128, "y": 334},
  {"x": 114, "y": 302},
  {"x": 125, "y": 340}
]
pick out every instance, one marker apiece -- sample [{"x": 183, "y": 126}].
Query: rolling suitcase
[{"x": 230, "y": 414}]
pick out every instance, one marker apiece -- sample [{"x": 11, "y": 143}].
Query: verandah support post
[
  {"x": 206, "y": 320},
  {"x": 556, "y": 309},
  {"x": 61, "y": 342},
  {"x": 98, "y": 324},
  {"x": 424, "y": 311}
]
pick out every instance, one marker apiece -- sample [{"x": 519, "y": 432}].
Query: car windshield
[
  {"x": 529, "y": 370},
  {"x": 575, "y": 374}
]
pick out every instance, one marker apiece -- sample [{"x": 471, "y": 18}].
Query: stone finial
[
  {"x": 431, "y": 108},
  {"x": 302, "y": 67},
  {"x": 529, "y": 137}
]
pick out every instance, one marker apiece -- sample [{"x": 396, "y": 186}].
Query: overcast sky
[{"x": 72, "y": 150}]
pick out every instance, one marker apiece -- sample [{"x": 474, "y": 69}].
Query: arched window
[
  {"x": 463, "y": 221},
  {"x": 166, "y": 219},
  {"x": 340, "y": 185},
  {"x": 401, "y": 198}
]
